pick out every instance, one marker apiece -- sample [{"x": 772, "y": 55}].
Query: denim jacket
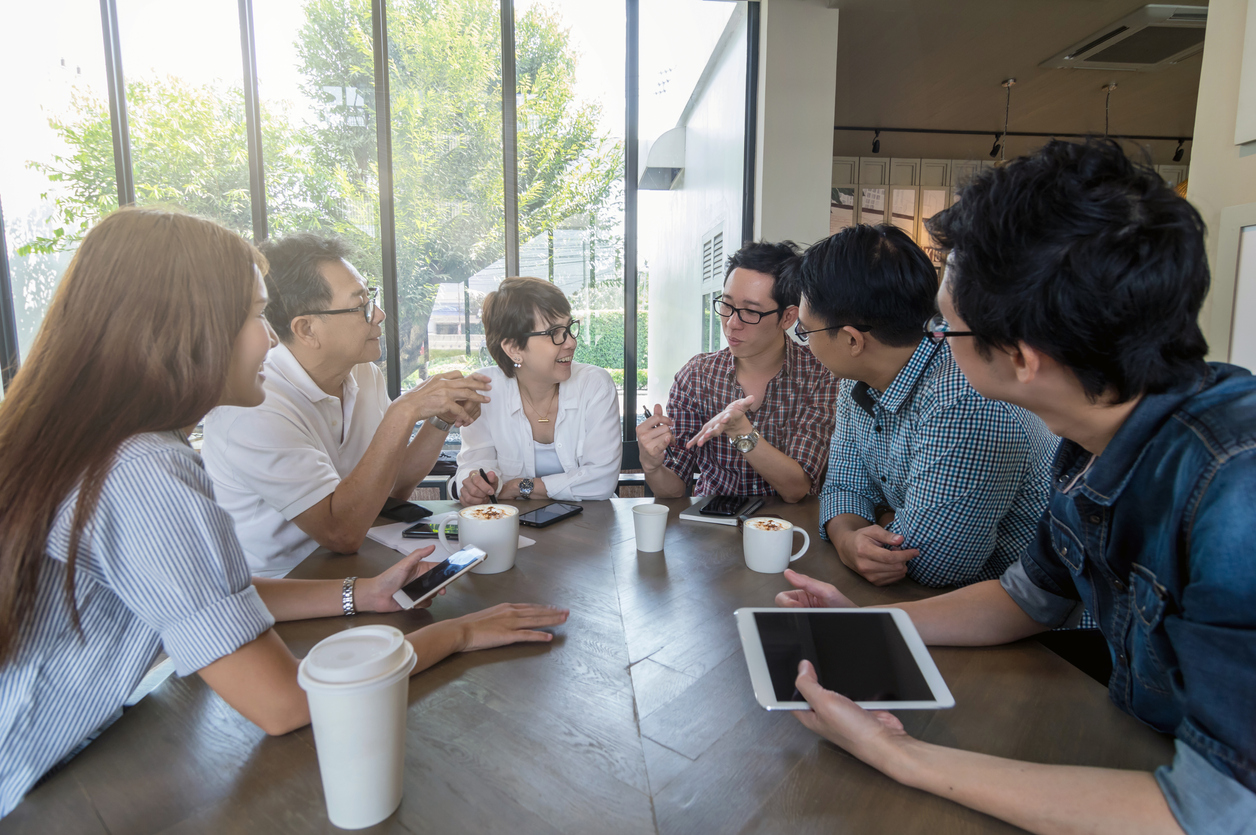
[{"x": 1157, "y": 537}]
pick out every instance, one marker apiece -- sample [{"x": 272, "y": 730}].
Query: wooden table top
[{"x": 639, "y": 717}]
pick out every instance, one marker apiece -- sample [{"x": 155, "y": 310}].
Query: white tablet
[{"x": 872, "y": 656}]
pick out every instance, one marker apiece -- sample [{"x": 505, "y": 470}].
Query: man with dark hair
[
  {"x": 1073, "y": 286},
  {"x": 960, "y": 480},
  {"x": 315, "y": 463},
  {"x": 766, "y": 393}
]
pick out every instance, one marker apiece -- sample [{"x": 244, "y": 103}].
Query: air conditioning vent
[{"x": 1152, "y": 38}]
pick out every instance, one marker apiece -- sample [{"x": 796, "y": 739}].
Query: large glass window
[
  {"x": 185, "y": 106},
  {"x": 316, "y": 90},
  {"x": 570, "y": 112},
  {"x": 692, "y": 97},
  {"x": 56, "y": 151}
]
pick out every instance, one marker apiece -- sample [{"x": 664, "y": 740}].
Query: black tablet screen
[{"x": 861, "y": 655}]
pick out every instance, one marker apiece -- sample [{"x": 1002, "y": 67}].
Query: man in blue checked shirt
[{"x": 960, "y": 480}]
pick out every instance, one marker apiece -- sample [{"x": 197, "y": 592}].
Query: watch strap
[
  {"x": 526, "y": 486},
  {"x": 346, "y": 596}
]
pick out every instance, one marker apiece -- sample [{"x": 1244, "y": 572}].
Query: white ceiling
[{"x": 940, "y": 63}]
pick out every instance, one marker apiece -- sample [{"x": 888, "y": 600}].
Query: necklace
[{"x": 541, "y": 417}]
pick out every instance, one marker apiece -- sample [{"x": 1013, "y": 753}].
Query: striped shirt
[
  {"x": 968, "y": 478},
  {"x": 159, "y": 567},
  {"x": 796, "y": 417}
]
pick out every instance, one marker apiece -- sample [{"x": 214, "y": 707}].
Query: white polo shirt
[{"x": 272, "y": 462}]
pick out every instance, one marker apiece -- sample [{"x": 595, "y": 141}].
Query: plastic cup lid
[{"x": 356, "y": 656}]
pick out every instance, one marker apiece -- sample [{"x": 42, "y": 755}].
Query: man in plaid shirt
[
  {"x": 927, "y": 479},
  {"x": 771, "y": 398}
]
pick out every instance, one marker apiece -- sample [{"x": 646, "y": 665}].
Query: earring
[{"x": 518, "y": 364}]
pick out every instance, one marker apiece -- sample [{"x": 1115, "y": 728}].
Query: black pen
[
  {"x": 484, "y": 476},
  {"x": 646, "y": 409}
]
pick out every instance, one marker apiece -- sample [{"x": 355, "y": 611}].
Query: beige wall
[{"x": 1221, "y": 175}]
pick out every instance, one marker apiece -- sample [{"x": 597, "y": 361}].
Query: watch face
[{"x": 743, "y": 444}]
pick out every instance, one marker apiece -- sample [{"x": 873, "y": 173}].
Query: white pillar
[{"x": 794, "y": 147}]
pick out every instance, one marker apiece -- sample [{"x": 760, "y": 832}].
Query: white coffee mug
[
  {"x": 491, "y": 527},
  {"x": 767, "y": 541}
]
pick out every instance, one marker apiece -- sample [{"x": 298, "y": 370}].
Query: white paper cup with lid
[{"x": 357, "y": 682}]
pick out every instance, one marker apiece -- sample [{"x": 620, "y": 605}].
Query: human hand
[
  {"x": 654, "y": 436},
  {"x": 472, "y": 409},
  {"x": 475, "y": 490},
  {"x": 446, "y": 395},
  {"x": 508, "y": 623},
  {"x": 874, "y": 736},
  {"x": 509, "y": 490},
  {"x": 375, "y": 594},
  {"x": 866, "y": 553},
  {"x": 731, "y": 422},
  {"x": 810, "y": 593}
]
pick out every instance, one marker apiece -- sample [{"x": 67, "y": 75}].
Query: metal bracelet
[
  {"x": 442, "y": 425},
  {"x": 346, "y": 596}
]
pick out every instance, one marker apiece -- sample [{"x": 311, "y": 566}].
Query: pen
[
  {"x": 646, "y": 410},
  {"x": 484, "y": 476}
]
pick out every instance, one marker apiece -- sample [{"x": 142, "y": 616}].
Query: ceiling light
[
  {"x": 1177, "y": 155},
  {"x": 876, "y": 142}
]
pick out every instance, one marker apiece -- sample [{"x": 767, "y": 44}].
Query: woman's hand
[
  {"x": 810, "y": 593},
  {"x": 874, "y": 736},
  {"x": 731, "y": 422},
  {"x": 375, "y": 594},
  {"x": 475, "y": 490},
  {"x": 508, "y": 623}
]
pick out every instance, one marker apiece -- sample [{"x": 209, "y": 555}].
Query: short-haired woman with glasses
[{"x": 552, "y": 429}]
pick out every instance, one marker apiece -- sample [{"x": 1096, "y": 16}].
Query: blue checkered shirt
[{"x": 968, "y": 478}]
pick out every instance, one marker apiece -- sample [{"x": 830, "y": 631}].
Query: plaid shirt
[
  {"x": 802, "y": 396},
  {"x": 968, "y": 478}
]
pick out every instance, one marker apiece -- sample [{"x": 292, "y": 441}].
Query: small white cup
[
  {"x": 649, "y": 523},
  {"x": 767, "y": 542},
  {"x": 494, "y": 528},
  {"x": 357, "y": 682}
]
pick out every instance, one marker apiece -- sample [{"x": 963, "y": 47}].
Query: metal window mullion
[
  {"x": 751, "y": 123},
  {"x": 632, "y": 71},
  {"x": 9, "y": 355},
  {"x": 387, "y": 219},
  {"x": 253, "y": 121},
  {"x": 510, "y": 138},
  {"x": 123, "y": 173}
]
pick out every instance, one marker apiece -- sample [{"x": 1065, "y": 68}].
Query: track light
[
  {"x": 876, "y": 142},
  {"x": 994, "y": 152},
  {"x": 1177, "y": 155}
]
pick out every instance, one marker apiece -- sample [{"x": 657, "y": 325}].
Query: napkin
[{"x": 390, "y": 535}]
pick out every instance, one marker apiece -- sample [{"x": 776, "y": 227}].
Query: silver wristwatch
[
  {"x": 346, "y": 596},
  {"x": 525, "y": 488},
  {"x": 745, "y": 443},
  {"x": 442, "y": 425}
]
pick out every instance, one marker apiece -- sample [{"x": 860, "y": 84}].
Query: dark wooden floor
[{"x": 638, "y": 718}]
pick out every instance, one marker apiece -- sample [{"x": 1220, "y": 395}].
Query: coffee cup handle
[
  {"x": 806, "y": 543},
  {"x": 440, "y": 531}
]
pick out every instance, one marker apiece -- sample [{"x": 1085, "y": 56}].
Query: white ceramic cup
[
  {"x": 356, "y": 682},
  {"x": 767, "y": 542},
  {"x": 494, "y": 528},
  {"x": 649, "y": 524}
]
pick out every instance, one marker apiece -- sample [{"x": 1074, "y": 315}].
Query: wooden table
[{"x": 638, "y": 718}]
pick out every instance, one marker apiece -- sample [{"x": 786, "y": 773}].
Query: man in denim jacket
[{"x": 1073, "y": 287}]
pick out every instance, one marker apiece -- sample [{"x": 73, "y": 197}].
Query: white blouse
[{"x": 587, "y": 436}]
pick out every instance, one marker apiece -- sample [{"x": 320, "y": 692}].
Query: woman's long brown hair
[{"x": 138, "y": 338}]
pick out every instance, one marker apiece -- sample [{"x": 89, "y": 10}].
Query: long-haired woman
[{"x": 111, "y": 544}]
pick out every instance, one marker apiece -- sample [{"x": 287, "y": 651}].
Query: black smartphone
[
  {"x": 400, "y": 510},
  {"x": 549, "y": 514},
  {"x": 426, "y": 530},
  {"x": 724, "y": 506}
]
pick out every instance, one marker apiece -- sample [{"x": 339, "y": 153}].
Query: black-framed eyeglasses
[
  {"x": 939, "y": 329},
  {"x": 751, "y": 317},
  {"x": 559, "y": 333},
  {"x": 367, "y": 310},
  {"x": 805, "y": 335}
]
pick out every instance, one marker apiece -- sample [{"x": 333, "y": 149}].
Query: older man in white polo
[{"x": 315, "y": 463}]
